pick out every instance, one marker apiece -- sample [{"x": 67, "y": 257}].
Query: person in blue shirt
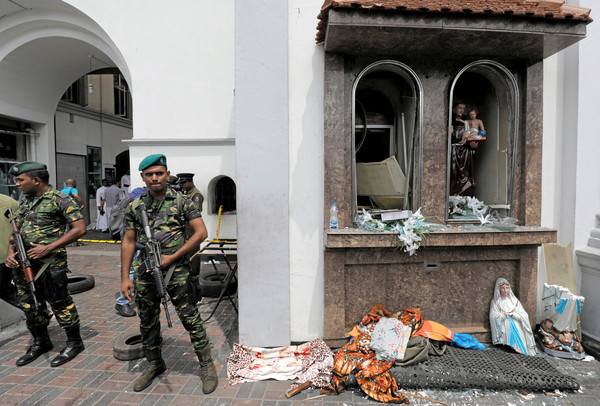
[
  {"x": 71, "y": 190},
  {"x": 123, "y": 306}
]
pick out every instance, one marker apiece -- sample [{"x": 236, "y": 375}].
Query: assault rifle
[
  {"x": 153, "y": 259},
  {"x": 22, "y": 255}
]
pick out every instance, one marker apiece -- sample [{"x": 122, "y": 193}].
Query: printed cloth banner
[{"x": 389, "y": 339}]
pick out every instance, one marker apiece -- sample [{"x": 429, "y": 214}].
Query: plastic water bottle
[{"x": 333, "y": 216}]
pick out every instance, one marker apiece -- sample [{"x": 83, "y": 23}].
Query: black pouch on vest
[
  {"x": 61, "y": 282},
  {"x": 44, "y": 287}
]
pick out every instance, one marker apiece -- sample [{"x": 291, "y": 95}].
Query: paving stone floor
[{"x": 96, "y": 378}]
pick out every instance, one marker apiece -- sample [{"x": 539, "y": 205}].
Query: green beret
[
  {"x": 156, "y": 159},
  {"x": 25, "y": 167}
]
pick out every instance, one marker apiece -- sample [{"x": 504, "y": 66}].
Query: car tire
[
  {"x": 128, "y": 346},
  {"x": 210, "y": 285},
  {"x": 80, "y": 283}
]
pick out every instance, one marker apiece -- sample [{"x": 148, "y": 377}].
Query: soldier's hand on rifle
[
  {"x": 127, "y": 289},
  {"x": 167, "y": 260},
  {"x": 38, "y": 251},
  {"x": 11, "y": 259}
]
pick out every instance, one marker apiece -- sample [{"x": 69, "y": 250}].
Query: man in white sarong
[
  {"x": 112, "y": 194},
  {"x": 101, "y": 216},
  {"x": 509, "y": 321}
]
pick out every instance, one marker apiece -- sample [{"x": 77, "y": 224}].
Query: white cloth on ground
[
  {"x": 311, "y": 361},
  {"x": 561, "y": 306}
]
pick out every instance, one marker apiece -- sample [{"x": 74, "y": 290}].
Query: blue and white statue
[{"x": 509, "y": 321}]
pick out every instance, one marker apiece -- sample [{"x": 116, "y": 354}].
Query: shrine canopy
[{"x": 521, "y": 29}]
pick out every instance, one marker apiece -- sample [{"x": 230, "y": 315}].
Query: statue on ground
[{"x": 509, "y": 321}]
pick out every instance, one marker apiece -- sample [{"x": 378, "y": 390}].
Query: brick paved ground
[{"x": 95, "y": 377}]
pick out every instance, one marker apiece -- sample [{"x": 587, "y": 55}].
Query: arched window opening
[
  {"x": 387, "y": 138},
  {"x": 224, "y": 195},
  {"x": 484, "y": 95}
]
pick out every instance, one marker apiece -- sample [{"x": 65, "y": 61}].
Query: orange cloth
[
  {"x": 434, "y": 331},
  {"x": 372, "y": 375}
]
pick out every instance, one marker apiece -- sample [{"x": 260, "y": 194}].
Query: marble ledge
[{"x": 520, "y": 236}]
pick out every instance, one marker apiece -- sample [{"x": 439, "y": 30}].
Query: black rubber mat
[{"x": 493, "y": 368}]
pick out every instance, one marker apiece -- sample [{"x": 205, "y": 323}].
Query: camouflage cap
[
  {"x": 156, "y": 159},
  {"x": 25, "y": 167}
]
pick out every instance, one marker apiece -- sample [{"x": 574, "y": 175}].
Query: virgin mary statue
[{"x": 509, "y": 321}]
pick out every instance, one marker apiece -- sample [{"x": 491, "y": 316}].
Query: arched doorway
[
  {"x": 491, "y": 90},
  {"x": 47, "y": 51},
  {"x": 387, "y": 133},
  {"x": 44, "y": 49}
]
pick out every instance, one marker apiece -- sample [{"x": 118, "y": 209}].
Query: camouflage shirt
[
  {"x": 165, "y": 220},
  {"x": 44, "y": 220},
  {"x": 196, "y": 197}
]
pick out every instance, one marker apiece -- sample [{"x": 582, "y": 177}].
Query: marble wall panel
[
  {"x": 457, "y": 295},
  {"x": 533, "y": 145},
  {"x": 334, "y": 293}
]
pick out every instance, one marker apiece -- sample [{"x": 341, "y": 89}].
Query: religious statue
[
  {"x": 462, "y": 171},
  {"x": 509, "y": 321},
  {"x": 474, "y": 129},
  {"x": 563, "y": 341}
]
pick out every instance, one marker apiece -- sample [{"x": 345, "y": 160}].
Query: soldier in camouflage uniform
[
  {"x": 167, "y": 221},
  {"x": 43, "y": 217},
  {"x": 186, "y": 182}
]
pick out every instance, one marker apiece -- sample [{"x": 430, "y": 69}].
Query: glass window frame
[
  {"x": 511, "y": 85},
  {"x": 417, "y": 187}
]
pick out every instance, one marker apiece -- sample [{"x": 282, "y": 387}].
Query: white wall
[
  {"x": 180, "y": 59},
  {"x": 588, "y": 117},
  {"x": 262, "y": 165},
  {"x": 587, "y": 199},
  {"x": 180, "y": 62},
  {"x": 306, "y": 168},
  {"x": 570, "y": 186},
  {"x": 204, "y": 160},
  {"x": 74, "y": 138}
]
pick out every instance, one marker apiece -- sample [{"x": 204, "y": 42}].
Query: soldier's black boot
[
  {"x": 156, "y": 366},
  {"x": 41, "y": 344},
  {"x": 73, "y": 348},
  {"x": 208, "y": 371}
]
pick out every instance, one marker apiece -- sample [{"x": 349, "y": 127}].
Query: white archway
[{"x": 45, "y": 47}]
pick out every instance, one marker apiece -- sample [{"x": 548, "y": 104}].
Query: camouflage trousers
[
  {"x": 148, "y": 304},
  {"x": 62, "y": 303}
]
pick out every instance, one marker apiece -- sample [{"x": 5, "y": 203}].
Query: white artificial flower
[
  {"x": 457, "y": 209},
  {"x": 456, "y": 200},
  {"x": 484, "y": 220}
]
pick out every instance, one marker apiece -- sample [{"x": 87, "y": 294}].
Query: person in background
[
  {"x": 186, "y": 181},
  {"x": 71, "y": 190},
  {"x": 7, "y": 290},
  {"x": 101, "y": 217},
  {"x": 43, "y": 217},
  {"x": 167, "y": 222},
  {"x": 111, "y": 195},
  {"x": 126, "y": 182},
  {"x": 123, "y": 305}
]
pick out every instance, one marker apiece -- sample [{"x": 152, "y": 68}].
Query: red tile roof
[{"x": 552, "y": 9}]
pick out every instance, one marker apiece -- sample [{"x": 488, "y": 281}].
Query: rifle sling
[
  {"x": 43, "y": 268},
  {"x": 169, "y": 274}
]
